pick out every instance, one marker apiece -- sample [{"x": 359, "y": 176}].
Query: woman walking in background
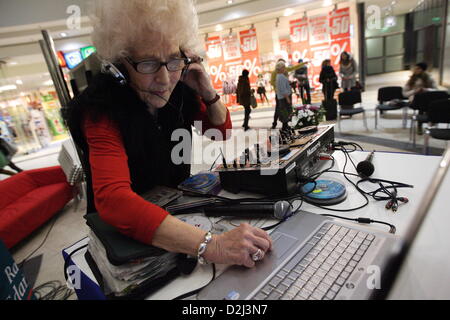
[
  {"x": 244, "y": 94},
  {"x": 261, "y": 91},
  {"x": 348, "y": 71}
]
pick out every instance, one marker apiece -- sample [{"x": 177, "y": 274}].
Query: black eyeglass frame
[{"x": 187, "y": 61}]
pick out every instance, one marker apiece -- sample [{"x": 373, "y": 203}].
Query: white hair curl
[{"x": 121, "y": 25}]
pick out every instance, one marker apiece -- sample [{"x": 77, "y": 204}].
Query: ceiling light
[
  {"x": 19, "y": 82},
  {"x": 327, "y": 3},
  {"x": 48, "y": 83},
  {"x": 390, "y": 22},
  {"x": 219, "y": 28},
  {"x": 288, "y": 12},
  {"x": 8, "y": 88},
  {"x": 63, "y": 34},
  {"x": 13, "y": 63},
  {"x": 230, "y": 1}
]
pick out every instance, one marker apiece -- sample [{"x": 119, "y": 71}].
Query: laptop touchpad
[{"x": 282, "y": 243}]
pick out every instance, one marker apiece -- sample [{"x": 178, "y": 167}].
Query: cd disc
[{"x": 325, "y": 192}]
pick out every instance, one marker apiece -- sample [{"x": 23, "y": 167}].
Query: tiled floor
[{"x": 70, "y": 227}]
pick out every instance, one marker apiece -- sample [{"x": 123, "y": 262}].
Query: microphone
[
  {"x": 279, "y": 210},
  {"x": 365, "y": 168}
]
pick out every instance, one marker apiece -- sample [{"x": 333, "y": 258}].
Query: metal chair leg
[
  {"x": 339, "y": 121},
  {"x": 426, "y": 138},
  {"x": 365, "y": 120},
  {"x": 376, "y": 118},
  {"x": 405, "y": 117}
]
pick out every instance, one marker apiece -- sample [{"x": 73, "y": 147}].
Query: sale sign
[
  {"x": 319, "y": 38},
  {"x": 300, "y": 39},
  {"x": 319, "y": 29},
  {"x": 214, "y": 53},
  {"x": 231, "y": 47},
  {"x": 250, "y": 54},
  {"x": 336, "y": 49},
  {"x": 318, "y": 55},
  {"x": 340, "y": 24}
]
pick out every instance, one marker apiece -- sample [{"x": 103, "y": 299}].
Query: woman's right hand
[{"x": 238, "y": 246}]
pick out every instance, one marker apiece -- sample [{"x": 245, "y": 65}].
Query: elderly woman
[
  {"x": 284, "y": 94},
  {"x": 124, "y": 120}
]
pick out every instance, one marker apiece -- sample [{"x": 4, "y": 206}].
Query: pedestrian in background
[
  {"x": 348, "y": 71},
  {"x": 244, "y": 94}
]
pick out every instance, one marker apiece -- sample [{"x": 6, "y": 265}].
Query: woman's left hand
[{"x": 198, "y": 79}]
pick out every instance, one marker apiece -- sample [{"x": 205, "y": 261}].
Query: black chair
[
  {"x": 347, "y": 101},
  {"x": 391, "y": 98},
  {"x": 420, "y": 105},
  {"x": 438, "y": 112}
]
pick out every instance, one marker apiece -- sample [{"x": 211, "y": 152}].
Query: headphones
[{"x": 112, "y": 70}]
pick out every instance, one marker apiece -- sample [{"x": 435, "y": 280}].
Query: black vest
[{"x": 147, "y": 139}]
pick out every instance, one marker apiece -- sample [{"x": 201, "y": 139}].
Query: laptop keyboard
[{"x": 323, "y": 271}]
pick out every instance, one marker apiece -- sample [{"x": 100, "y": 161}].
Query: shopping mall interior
[{"x": 47, "y": 57}]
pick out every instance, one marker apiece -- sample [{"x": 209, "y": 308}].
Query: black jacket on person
[
  {"x": 244, "y": 92},
  {"x": 146, "y": 138},
  {"x": 326, "y": 74}
]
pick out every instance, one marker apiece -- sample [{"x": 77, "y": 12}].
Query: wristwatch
[{"x": 202, "y": 248}]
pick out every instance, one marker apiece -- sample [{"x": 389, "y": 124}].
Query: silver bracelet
[{"x": 202, "y": 248}]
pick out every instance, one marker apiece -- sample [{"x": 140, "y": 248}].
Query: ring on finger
[{"x": 258, "y": 255}]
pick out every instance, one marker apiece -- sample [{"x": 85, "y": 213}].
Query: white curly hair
[{"x": 121, "y": 25}]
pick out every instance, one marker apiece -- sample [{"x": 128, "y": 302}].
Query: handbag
[{"x": 253, "y": 101}]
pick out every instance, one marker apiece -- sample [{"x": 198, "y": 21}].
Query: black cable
[
  {"x": 21, "y": 264},
  {"x": 57, "y": 291},
  {"x": 345, "y": 175},
  {"x": 392, "y": 230},
  {"x": 191, "y": 293}
]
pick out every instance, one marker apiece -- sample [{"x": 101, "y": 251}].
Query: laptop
[{"x": 316, "y": 258}]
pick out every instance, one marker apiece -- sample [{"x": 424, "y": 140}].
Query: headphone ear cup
[{"x": 113, "y": 71}]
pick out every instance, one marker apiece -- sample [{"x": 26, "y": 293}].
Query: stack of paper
[{"x": 121, "y": 280}]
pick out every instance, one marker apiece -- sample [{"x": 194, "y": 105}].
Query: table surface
[{"x": 425, "y": 273}]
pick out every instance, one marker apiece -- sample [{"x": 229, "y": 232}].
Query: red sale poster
[
  {"x": 336, "y": 49},
  {"x": 340, "y": 24},
  {"x": 231, "y": 47},
  {"x": 215, "y": 62},
  {"x": 318, "y": 38},
  {"x": 318, "y": 54},
  {"x": 250, "y": 54},
  {"x": 300, "y": 39},
  {"x": 319, "y": 30}
]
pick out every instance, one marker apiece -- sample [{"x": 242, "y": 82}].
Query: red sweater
[{"x": 114, "y": 199}]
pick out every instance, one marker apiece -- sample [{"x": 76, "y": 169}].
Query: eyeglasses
[{"x": 153, "y": 66}]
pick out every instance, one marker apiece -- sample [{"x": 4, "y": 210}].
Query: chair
[
  {"x": 438, "y": 112},
  {"x": 420, "y": 106},
  {"x": 347, "y": 101},
  {"x": 391, "y": 98}
]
